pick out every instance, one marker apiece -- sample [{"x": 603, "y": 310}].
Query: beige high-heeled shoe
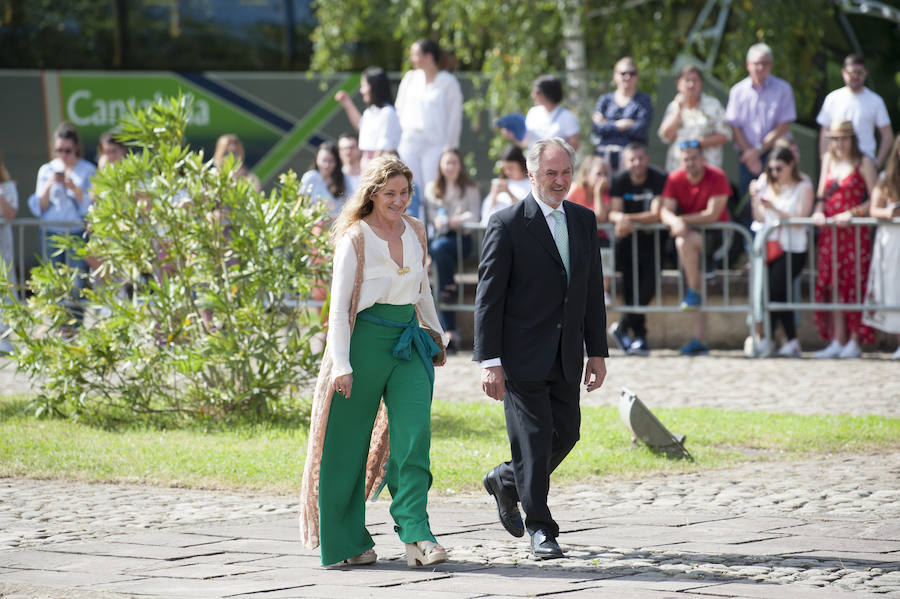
[
  {"x": 424, "y": 553},
  {"x": 363, "y": 559}
]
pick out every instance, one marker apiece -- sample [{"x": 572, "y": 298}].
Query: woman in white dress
[
  {"x": 884, "y": 273},
  {"x": 429, "y": 104}
]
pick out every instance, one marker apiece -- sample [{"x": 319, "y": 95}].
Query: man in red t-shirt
[{"x": 695, "y": 194}]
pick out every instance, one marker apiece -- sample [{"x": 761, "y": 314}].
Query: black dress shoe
[
  {"x": 544, "y": 546},
  {"x": 507, "y": 507}
]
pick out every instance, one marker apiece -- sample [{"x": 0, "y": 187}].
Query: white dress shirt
[{"x": 382, "y": 284}]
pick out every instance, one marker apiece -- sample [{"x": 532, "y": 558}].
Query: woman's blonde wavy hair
[{"x": 373, "y": 180}]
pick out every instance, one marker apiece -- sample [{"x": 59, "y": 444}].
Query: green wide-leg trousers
[{"x": 406, "y": 389}]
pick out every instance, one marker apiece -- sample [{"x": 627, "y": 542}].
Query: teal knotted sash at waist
[{"x": 412, "y": 336}]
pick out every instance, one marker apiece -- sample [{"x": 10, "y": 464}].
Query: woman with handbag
[
  {"x": 845, "y": 250},
  {"x": 787, "y": 194},
  {"x": 375, "y": 350}
]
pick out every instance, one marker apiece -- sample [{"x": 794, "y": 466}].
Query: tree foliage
[
  {"x": 213, "y": 327},
  {"x": 510, "y": 43}
]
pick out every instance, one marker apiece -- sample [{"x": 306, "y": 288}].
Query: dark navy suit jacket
[{"x": 525, "y": 309}]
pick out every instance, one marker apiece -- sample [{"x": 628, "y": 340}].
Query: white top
[
  {"x": 708, "y": 118},
  {"x": 379, "y": 129},
  {"x": 792, "y": 239},
  {"x": 9, "y": 193},
  {"x": 382, "y": 284},
  {"x": 540, "y": 124},
  {"x": 63, "y": 203},
  {"x": 351, "y": 184},
  {"x": 430, "y": 112},
  {"x": 519, "y": 188},
  {"x": 314, "y": 184},
  {"x": 866, "y": 110}
]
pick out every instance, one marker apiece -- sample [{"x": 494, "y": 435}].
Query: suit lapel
[{"x": 537, "y": 225}]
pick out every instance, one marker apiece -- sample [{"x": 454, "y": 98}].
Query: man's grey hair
[
  {"x": 759, "y": 51},
  {"x": 533, "y": 160}
]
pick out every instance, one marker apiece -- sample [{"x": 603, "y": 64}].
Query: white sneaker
[
  {"x": 832, "y": 350},
  {"x": 896, "y": 355},
  {"x": 764, "y": 349},
  {"x": 851, "y": 350},
  {"x": 791, "y": 349},
  {"x": 750, "y": 347},
  {"x": 6, "y": 347}
]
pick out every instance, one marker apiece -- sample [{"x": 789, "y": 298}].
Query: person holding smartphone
[{"x": 62, "y": 197}]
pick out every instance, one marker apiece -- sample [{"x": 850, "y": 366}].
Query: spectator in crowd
[
  {"x": 511, "y": 186},
  {"x": 694, "y": 115},
  {"x": 547, "y": 118},
  {"x": 348, "y": 150},
  {"x": 62, "y": 194},
  {"x": 884, "y": 277},
  {"x": 378, "y": 126},
  {"x": 846, "y": 179},
  {"x": 324, "y": 181},
  {"x": 9, "y": 206},
  {"x": 230, "y": 145},
  {"x": 636, "y": 199},
  {"x": 376, "y": 349},
  {"x": 695, "y": 194},
  {"x": 429, "y": 104},
  {"x": 787, "y": 193},
  {"x": 760, "y": 109},
  {"x": 622, "y": 116},
  {"x": 110, "y": 149},
  {"x": 451, "y": 201},
  {"x": 861, "y": 106},
  {"x": 591, "y": 190}
]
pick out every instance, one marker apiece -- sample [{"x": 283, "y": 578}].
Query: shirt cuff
[{"x": 490, "y": 362}]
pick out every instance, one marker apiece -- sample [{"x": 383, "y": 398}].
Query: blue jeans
[
  {"x": 443, "y": 253},
  {"x": 49, "y": 251}
]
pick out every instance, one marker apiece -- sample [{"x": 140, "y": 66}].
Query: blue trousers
[{"x": 443, "y": 253}]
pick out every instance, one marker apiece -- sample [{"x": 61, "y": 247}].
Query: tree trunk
[{"x": 576, "y": 66}]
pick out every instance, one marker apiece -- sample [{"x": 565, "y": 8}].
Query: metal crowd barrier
[
  {"x": 729, "y": 303},
  {"x": 19, "y": 228},
  {"x": 763, "y": 306}
]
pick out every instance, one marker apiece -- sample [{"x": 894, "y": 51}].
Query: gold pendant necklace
[{"x": 403, "y": 271}]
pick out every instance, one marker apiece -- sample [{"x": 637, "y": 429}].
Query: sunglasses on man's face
[
  {"x": 689, "y": 143},
  {"x": 628, "y": 73}
]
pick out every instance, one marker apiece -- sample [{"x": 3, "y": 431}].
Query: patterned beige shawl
[{"x": 379, "y": 447}]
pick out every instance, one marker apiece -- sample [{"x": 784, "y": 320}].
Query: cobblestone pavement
[
  {"x": 823, "y": 528},
  {"x": 826, "y": 527}
]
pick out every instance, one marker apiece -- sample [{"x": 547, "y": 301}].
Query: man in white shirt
[{"x": 858, "y": 104}]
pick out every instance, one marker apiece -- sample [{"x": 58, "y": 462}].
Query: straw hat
[{"x": 841, "y": 129}]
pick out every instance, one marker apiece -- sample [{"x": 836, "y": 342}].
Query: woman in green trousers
[{"x": 375, "y": 350}]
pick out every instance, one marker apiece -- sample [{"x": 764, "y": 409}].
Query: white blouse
[
  {"x": 382, "y": 284},
  {"x": 431, "y": 112},
  {"x": 379, "y": 129}
]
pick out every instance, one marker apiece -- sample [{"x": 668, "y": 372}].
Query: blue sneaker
[
  {"x": 691, "y": 300},
  {"x": 623, "y": 341},
  {"x": 694, "y": 347}
]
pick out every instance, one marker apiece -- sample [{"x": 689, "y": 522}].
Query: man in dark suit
[{"x": 539, "y": 304}]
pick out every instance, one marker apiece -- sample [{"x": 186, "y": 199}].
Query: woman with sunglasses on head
[
  {"x": 847, "y": 178},
  {"x": 787, "y": 194},
  {"x": 694, "y": 115},
  {"x": 622, "y": 116}
]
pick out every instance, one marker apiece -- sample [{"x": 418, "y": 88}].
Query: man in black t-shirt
[{"x": 636, "y": 199}]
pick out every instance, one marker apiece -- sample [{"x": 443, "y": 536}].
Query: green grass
[{"x": 468, "y": 439}]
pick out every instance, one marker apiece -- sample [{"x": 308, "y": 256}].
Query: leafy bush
[{"x": 197, "y": 307}]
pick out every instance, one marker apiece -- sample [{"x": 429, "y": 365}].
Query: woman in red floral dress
[{"x": 847, "y": 178}]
